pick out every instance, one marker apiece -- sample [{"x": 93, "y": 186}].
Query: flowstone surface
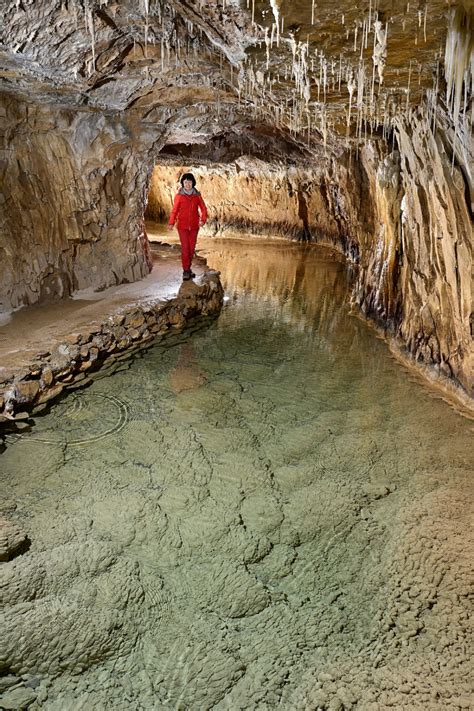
[{"x": 267, "y": 512}]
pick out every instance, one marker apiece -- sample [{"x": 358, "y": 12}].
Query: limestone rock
[
  {"x": 26, "y": 391},
  {"x": 12, "y": 539},
  {"x": 17, "y": 699}
]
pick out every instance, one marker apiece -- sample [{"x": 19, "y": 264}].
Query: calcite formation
[
  {"x": 421, "y": 276},
  {"x": 73, "y": 188},
  {"x": 12, "y": 539}
]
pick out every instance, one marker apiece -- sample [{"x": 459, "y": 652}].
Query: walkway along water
[{"x": 46, "y": 350}]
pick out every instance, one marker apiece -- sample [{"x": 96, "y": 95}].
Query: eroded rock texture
[
  {"x": 255, "y": 196},
  {"x": 416, "y": 274},
  {"x": 74, "y": 187},
  {"x": 12, "y": 539}
]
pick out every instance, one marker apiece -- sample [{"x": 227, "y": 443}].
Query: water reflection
[
  {"x": 281, "y": 521},
  {"x": 186, "y": 375}
]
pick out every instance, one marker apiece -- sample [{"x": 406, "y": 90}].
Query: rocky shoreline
[{"x": 28, "y": 390}]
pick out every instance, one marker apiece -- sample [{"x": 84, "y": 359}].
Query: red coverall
[{"x": 190, "y": 211}]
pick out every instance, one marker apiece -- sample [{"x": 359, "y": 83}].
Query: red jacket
[{"x": 186, "y": 209}]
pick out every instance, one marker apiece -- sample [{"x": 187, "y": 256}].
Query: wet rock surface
[
  {"x": 230, "y": 522},
  {"x": 13, "y": 539},
  {"x": 417, "y": 282}
]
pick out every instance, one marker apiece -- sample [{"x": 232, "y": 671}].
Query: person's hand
[
  {"x": 170, "y": 227},
  {"x": 201, "y": 223}
]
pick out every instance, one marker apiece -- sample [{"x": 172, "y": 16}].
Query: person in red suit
[{"x": 190, "y": 212}]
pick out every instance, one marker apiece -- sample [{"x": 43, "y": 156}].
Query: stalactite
[
  {"x": 408, "y": 89},
  {"x": 267, "y": 46},
  {"x": 275, "y": 5},
  {"x": 89, "y": 20},
  {"x": 459, "y": 58},
  {"x": 324, "y": 127},
  {"x": 380, "y": 49},
  {"x": 305, "y": 68},
  {"x": 146, "y": 9},
  {"x": 351, "y": 86}
]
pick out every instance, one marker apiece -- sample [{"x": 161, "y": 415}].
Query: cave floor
[
  {"x": 263, "y": 511},
  {"x": 39, "y": 328}
]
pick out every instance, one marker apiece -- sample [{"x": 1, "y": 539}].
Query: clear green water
[{"x": 264, "y": 512}]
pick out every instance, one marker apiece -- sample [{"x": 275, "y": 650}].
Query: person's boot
[{"x": 187, "y": 274}]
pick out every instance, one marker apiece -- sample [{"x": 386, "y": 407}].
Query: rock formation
[
  {"x": 41, "y": 377},
  {"x": 73, "y": 190}
]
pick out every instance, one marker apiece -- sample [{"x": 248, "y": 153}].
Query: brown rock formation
[
  {"x": 74, "y": 191},
  {"x": 43, "y": 376},
  {"x": 419, "y": 276}
]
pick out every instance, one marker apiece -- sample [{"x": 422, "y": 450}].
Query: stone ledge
[{"x": 27, "y": 389}]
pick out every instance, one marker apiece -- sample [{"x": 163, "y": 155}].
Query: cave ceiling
[{"x": 325, "y": 72}]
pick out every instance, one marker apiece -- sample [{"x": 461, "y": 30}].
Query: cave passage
[{"x": 266, "y": 511}]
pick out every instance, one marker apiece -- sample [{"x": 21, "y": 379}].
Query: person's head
[{"x": 188, "y": 181}]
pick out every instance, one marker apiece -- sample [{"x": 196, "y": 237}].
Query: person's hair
[{"x": 188, "y": 176}]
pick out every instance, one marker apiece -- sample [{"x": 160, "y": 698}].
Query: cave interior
[{"x": 345, "y": 124}]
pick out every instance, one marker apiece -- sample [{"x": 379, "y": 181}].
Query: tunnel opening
[{"x": 257, "y": 180}]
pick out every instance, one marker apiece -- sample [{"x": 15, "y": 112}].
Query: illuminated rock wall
[
  {"x": 416, "y": 270},
  {"x": 74, "y": 187},
  {"x": 253, "y": 196}
]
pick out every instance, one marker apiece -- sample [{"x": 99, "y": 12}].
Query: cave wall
[
  {"x": 250, "y": 195},
  {"x": 415, "y": 276},
  {"x": 74, "y": 188}
]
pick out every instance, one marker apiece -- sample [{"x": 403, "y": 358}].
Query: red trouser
[{"x": 188, "y": 245}]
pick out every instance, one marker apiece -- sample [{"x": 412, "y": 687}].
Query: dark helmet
[{"x": 188, "y": 176}]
